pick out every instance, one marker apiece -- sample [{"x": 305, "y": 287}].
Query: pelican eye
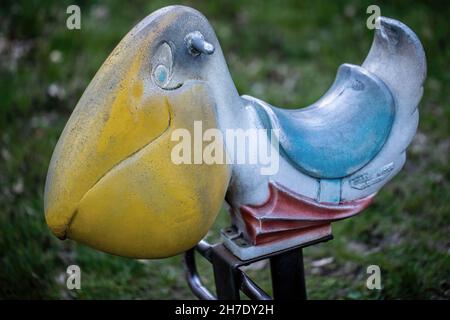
[
  {"x": 161, "y": 75},
  {"x": 162, "y": 64}
]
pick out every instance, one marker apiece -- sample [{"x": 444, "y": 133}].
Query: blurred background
[{"x": 285, "y": 52}]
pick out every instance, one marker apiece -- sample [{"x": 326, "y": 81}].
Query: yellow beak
[{"x": 111, "y": 182}]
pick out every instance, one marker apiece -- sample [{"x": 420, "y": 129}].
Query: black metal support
[
  {"x": 226, "y": 274},
  {"x": 288, "y": 277}
]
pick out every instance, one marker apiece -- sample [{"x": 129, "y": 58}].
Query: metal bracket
[{"x": 286, "y": 266}]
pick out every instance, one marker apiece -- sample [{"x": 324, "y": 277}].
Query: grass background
[{"x": 284, "y": 52}]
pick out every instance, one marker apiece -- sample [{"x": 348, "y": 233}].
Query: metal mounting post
[
  {"x": 287, "y": 271},
  {"x": 288, "y": 276}
]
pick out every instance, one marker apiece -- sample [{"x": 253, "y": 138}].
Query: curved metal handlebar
[
  {"x": 193, "y": 279},
  {"x": 246, "y": 285}
]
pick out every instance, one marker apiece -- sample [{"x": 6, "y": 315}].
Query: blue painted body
[{"x": 341, "y": 132}]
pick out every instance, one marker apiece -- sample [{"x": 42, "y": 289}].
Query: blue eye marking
[{"x": 161, "y": 74}]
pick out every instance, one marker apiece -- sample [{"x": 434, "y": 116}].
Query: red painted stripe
[{"x": 287, "y": 214}]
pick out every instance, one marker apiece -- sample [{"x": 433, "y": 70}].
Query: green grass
[{"x": 283, "y": 52}]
